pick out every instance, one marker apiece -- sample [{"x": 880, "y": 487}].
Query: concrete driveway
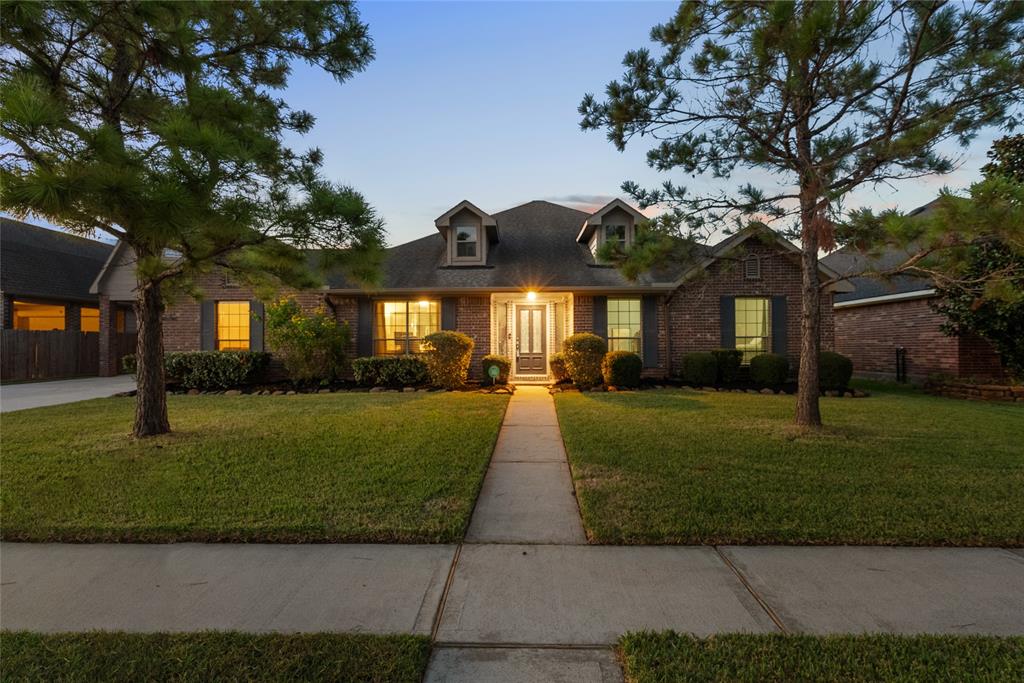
[{"x": 37, "y": 394}]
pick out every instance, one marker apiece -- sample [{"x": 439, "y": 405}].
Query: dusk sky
[{"x": 478, "y": 101}]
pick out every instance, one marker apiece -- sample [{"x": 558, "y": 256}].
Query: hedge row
[
  {"x": 207, "y": 370},
  {"x": 722, "y": 367}
]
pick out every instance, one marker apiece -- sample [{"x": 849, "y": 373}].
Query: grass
[
  {"x": 682, "y": 466},
  {"x": 664, "y": 657},
  {"x": 212, "y": 656},
  {"x": 305, "y": 468}
]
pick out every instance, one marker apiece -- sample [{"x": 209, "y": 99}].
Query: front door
[{"x": 530, "y": 341}]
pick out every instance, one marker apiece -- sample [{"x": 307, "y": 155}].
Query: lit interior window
[
  {"x": 624, "y": 325},
  {"x": 90, "y": 320},
  {"x": 400, "y": 326},
  {"x": 233, "y": 325},
  {"x": 753, "y": 326},
  {"x": 39, "y": 317}
]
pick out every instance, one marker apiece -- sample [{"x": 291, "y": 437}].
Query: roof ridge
[{"x": 52, "y": 231}]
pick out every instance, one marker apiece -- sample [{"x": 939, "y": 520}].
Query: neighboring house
[
  {"x": 518, "y": 282},
  {"x": 45, "y": 276},
  {"x": 882, "y": 319}
]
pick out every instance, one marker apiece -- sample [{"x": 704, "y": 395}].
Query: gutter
[{"x": 886, "y": 298}]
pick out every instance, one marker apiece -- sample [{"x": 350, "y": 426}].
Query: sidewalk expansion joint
[
  {"x": 750, "y": 589},
  {"x": 451, "y": 644}
]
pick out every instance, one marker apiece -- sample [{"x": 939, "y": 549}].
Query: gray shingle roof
[
  {"x": 538, "y": 248},
  {"x": 851, "y": 262},
  {"x": 44, "y": 263}
]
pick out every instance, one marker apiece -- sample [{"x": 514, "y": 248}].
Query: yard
[
  {"x": 897, "y": 468},
  {"x": 333, "y": 467},
  {"x": 212, "y": 656},
  {"x": 662, "y": 657}
]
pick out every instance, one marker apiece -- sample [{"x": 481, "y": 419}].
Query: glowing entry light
[
  {"x": 424, "y": 303},
  {"x": 531, "y": 295}
]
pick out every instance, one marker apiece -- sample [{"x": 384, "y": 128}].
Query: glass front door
[{"x": 531, "y": 338}]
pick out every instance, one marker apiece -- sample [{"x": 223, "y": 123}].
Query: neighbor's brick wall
[
  {"x": 870, "y": 335},
  {"x": 694, "y": 321},
  {"x": 473, "y": 317}
]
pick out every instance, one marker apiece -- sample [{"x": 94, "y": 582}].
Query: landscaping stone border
[{"x": 976, "y": 392}]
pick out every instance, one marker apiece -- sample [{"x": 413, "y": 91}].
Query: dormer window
[
  {"x": 616, "y": 234},
  {"x": 467, "y": 238}
]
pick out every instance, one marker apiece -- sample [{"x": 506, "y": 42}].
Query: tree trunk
[
  {"x": 151, "y": 399},
  {"x": 808, "y": 413}
]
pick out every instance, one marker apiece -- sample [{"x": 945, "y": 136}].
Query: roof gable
[
  {"x": 595, "y": 219},
  {"x": 48, "y": 264}
]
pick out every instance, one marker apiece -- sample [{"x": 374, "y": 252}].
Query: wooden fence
[{"x": 26, "y": 354}]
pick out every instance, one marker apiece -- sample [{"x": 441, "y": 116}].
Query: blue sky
[{"x": 478, "y": 101}]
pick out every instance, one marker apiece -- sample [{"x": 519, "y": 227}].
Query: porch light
[
  {"x": 531, "y": 295},
  {"x": 424, "y": 303}
]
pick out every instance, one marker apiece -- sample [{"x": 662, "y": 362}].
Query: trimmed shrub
[
  {"x": 621, "y": 369},
  {"x": 834, "y": 370},
  {"x": 769, "y": 369},
  {"x": 583, "y": 355},
  {"x": 503, "y": 364},
  {"x": 700, "y": 369},
  {"x": 311, "y": 345},
  {"x": 389, "y": 371},
  {"x": 209, "y": 370},
  {"x": 729, "y": 361},
  {"x": 448, "y": 356},
  {"x": 557, "y": 365}
]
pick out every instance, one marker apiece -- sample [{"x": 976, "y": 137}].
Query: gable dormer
[
  {"x": 615, "y": 221},
  {"x": 468, "y": 233}
]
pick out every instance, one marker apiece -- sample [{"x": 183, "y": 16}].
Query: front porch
[{"x": 527, "y": 327}]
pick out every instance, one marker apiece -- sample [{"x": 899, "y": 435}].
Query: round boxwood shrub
[
  {"x": 729, "y": 361},
  {"x": 621, "y": 369},
  {"x": 700, "y": 368},
  {"x": 834, "y": 370},
  {"x": 769, "y": 369},
  {"x": 557, "y": 364},
  {"x": 503, "y": 364},
  {"x": 583, "y": 355},
  {"x": 448, "y": 355}
]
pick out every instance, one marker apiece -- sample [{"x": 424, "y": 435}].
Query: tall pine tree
[
  {"x": 158, "y": 123},
  {"x": 812, "y": 100}
]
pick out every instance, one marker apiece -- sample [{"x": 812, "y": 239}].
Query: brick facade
[
  {"x": 870, "y": 335},
  {"x": 473, "y": 317},
  {"x": 694, "y": 318}
]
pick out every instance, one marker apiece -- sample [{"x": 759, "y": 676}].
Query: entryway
[{"x": 531, "y": 340}]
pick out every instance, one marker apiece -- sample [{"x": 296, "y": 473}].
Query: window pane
[
  {"x": 399, "y": 326},
  {"x": 90, "y": 320},
  {"x": 624, "y": 325},
  {"x": 753, "y": 326},
  {"x": 39, "y": 317},
  {"x": 615, "y": 233},
  {"x": 233, "y": 325},
  {"x": 465, "y": 241}
]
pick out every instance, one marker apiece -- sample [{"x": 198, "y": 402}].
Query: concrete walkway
[
  {"x": 38, "y": 394},
  {"x": 527, "y": 495},
  {"x": 524, "y": 598}
]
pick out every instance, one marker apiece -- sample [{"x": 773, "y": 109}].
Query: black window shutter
[
  {"x": 449, "y": 305},
  {"x": 649, "y": 334},
  {"x": 779, "y": 325},
  {"x": 364, "y": 328},
  {"x": 727, "y": 316},
  {"x": 255, "y": 325},
  {"x": 601, "y": 316},
  {"x": 208, "y": 325}
]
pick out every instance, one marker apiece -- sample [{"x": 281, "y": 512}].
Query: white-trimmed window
[
  {"x": 467, "y": 241},
  {"x": 753, "y": 326},
  {"x": 616, "y": 234},
  {"x": 624, "y": 325},
  {"x": 400, "y": 326}
]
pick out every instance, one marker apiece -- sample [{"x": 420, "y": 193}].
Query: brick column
[
  {"x": 108, "y": 338},
  {"x": 7, "y": 313},
  {"x": 72, "y": 317}
]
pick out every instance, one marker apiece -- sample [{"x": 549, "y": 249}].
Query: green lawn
[
  {"x": 667, "y": 657},
  {"x": 330, "y": 467},
  {"x": 683, "y": 466},
  {"x": 212, "y": 656}
]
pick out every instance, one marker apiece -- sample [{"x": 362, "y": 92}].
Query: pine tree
[
  {"x": 819, "y": 98},
  {"x": 158, "y": 123}
]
